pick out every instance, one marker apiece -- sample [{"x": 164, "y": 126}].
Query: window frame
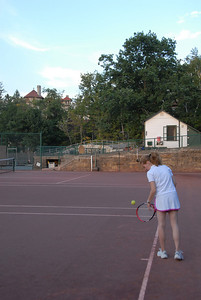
[{"x": 170, "y": 138}]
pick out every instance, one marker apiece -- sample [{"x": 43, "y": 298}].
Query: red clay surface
[{"x": 74, "y": 235}]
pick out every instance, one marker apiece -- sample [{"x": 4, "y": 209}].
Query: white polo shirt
[
  {"x": 162, "y": 176},
  {"x": 166, "y": 194}
]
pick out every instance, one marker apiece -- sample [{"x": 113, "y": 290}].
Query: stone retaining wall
[{"x": 183, "y": 160}]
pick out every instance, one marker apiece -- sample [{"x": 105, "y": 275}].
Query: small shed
[{"x": 164, "y": 130}]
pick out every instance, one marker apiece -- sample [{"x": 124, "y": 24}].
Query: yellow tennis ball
[{"x": 133, "y": 202}]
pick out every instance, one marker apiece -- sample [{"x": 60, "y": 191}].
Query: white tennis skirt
[{"x": 168, "y": 201}]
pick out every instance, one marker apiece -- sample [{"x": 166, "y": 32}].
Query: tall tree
[
  {"x": 2, "y": 91},
  {"x": 52, "y": 113},
  {"x": 188, "y": 90},
  {"x": 145, "y": 69}
]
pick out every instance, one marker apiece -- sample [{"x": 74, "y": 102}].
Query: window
[{"x": 170, "y": 133}]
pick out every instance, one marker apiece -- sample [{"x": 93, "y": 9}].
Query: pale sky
[{"x": 50, "y": 43}]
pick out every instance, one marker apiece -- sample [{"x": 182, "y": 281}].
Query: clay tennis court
[{"x": 74, "y": 235}]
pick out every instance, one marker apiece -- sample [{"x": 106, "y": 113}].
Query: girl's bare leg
[
  {"x": 175, "y": 228},
  {"x": 161, "y": 228}
]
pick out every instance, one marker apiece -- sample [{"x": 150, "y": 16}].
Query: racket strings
[{"x": 145, "y": 213}]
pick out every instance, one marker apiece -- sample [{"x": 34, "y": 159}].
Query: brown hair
[{"x": 153, "y": 157}]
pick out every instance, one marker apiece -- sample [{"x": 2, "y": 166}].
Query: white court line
[
  {"x": 74, "y": 207},
  {"x": 63, "y": 214},
  {"x": 71, "y": 185},
  {"x": 67, "y": 180},
  {"x": 148, "y": 268}
]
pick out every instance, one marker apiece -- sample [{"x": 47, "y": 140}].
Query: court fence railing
[
  {"x": 22, "y": 146},
  {"x": 28, "y": 151},
  {"x": 131, "y": 145}
]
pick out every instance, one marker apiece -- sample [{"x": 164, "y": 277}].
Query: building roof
[
  {"x": 67, "y": 98},
  {"x": 33, "y": 94},
  {"x": 160, "y": 111},
  {"x": 172, "y": 117}
]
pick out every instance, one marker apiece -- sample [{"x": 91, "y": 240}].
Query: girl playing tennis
[{"x": 163, "y": 187}]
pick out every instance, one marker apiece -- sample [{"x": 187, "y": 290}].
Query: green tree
[
  {"x": 187, "y": 91},
  {"x": 139, "y": 79},
  {"x": 2, "y": 91},
  {"x": 143, "y": 78},
  {"x": 52, "y": 113}
]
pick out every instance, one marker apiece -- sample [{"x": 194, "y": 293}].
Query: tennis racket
[{"x": 145, "y": 213}]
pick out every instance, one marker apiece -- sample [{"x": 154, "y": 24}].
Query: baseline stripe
[
  {"x": 70, "y": 207},
  {"x": 71, "y": 185},
  {"x": 148, "y": 268},
  {"x": 63, "y": 214}
]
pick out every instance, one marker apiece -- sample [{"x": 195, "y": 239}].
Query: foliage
[
  {"x": 142, "y": 79},
  {"x": 42, "y": 116},
  {"x": 2, "y": 91}
]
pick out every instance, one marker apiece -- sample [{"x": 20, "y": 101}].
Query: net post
[{"x": 13, "y": 164}]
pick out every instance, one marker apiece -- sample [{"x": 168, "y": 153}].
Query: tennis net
[{"x": 7, "y": 165}]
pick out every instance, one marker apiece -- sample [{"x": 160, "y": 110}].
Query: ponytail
[{"x": 153, "y": 157}]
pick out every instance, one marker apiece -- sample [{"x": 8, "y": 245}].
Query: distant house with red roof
[
  {"x": 33, "y": 95},
  {"x": 66, "y": 102}
]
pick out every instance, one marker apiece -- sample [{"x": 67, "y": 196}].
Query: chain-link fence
[
  {"x": 21, "y": 146},
  {"x": 28, "y": 151},
  {"x": 104, "y": 147}
]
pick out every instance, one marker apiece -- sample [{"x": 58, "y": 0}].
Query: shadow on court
[{"x": 75, "y": 236}]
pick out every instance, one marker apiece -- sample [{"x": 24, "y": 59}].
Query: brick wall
[{"x": 183, "y": 160}]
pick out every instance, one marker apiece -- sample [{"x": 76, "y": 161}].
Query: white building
[{"x": 163, "y": 130}]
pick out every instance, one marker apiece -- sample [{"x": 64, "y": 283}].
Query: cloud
[
  {"x": 187, "y": 34},
  {"x": 59, "y": 77},
  {"x": 193, "y": 14},
  {"x": 181, "y": 21},
  {"x": 26, "y": 45}
]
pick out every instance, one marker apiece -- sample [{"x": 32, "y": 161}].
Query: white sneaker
[
  {"x": 162, "y": 254},
  {"x": 178, "y": 255}
]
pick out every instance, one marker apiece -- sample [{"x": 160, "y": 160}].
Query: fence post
[
  {"x": 41, "y": 150},
  {"x": 91, "y": 163}
]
